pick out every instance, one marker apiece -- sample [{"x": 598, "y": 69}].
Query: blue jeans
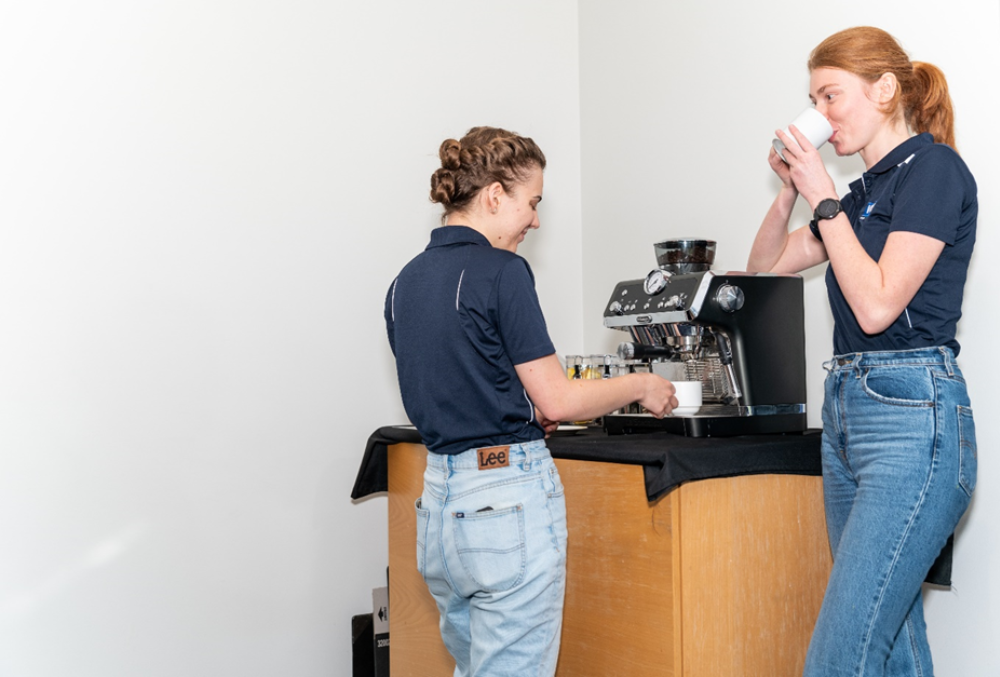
[
  {"x": 491, "y": 545},
  {"x": 899, "y": 469}
]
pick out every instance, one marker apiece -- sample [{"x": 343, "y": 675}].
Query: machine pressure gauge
[{"x": 656, "y": 281}]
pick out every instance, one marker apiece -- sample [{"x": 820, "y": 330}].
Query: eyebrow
[{"x": 826, "y": 86}]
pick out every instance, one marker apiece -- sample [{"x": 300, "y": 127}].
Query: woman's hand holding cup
[
  {"x": 658, "y": 398},
  {"x": 797, "y": 147}
]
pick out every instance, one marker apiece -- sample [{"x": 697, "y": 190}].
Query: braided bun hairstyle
[
  {"x": 483, "y": 156},
  {"x": 871, "y": 52}
]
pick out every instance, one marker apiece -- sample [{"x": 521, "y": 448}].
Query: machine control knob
[
  {"x": 730, "y": 298},
  {"x": 616, "y": 308},
  {"x": 656, "y": 281}
]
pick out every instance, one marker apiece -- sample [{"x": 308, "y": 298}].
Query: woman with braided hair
[
  {"x": 481, "y": 382},
  {"x": 899, "y": 443}
]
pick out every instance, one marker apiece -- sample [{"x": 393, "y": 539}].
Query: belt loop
[
  {"x": 948, "y": 362},
  {"x": 525, "y": 462},
  {"x": 856, "y": 364},
  {"x": 828, "y": 365}
]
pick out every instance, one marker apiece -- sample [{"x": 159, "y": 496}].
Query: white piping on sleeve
[
  {"x": 458, "y": 292},
  {"x": 392, "y": 302},
  {"x": 908, "y": 322}
]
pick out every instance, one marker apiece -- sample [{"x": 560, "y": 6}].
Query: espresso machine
[{"x": 742, "y": 335}]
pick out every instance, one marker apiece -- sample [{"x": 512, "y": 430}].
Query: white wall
[
  {"x": 678, "y": 106},
  {"x": 202, "y": 206}
]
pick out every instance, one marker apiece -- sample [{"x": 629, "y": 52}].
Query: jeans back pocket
[
  {"x": 491, "y": 546},
  {"x": 967, "y": 460}
]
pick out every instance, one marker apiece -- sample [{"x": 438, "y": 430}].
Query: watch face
[{"x": 828, "y": 208}]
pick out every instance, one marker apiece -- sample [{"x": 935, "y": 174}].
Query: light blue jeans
[
  {"x": 491, "y": 545},
  {"x": 899, "y": 469}
]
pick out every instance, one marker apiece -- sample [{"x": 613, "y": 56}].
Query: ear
[
  {"x": 886, "y": 87},
  {"x": 492, "y": 194}
]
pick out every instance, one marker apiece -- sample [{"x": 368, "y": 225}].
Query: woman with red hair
[{"x": 899, "y": 445}]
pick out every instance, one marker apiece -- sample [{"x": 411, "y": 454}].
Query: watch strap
[{"x": 814, "y": 227}]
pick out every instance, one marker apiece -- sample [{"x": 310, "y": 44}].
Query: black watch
[{"x": 826, "y": 209}]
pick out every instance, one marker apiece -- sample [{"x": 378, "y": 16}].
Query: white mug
[
  {"x": 688, "y": 394},
  {"x": 810, "y": 124}
]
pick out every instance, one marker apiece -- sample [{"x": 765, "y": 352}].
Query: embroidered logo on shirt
[
  {"x": 493, "y": 457},
  {"x": 868, "y": 210}
]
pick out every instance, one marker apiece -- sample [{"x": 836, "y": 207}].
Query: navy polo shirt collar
[
  {"x": 894, "y": 158},
  {"x": 450, "y": 235},
  {"x": 901, "y": 152}
]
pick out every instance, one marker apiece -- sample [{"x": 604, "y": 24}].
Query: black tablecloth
[{"x": 668, "y": 461}]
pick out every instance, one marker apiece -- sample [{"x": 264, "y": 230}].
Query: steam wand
[{"x": 726, "y": 358}]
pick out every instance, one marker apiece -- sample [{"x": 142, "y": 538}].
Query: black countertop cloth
[{"x": 668, "y": 461}]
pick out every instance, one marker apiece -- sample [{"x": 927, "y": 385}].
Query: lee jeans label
[{"x": 493, "y": 457}]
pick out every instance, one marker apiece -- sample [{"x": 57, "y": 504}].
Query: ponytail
[{"x": 931, "y": 109}]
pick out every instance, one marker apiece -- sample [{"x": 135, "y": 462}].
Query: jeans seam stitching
[
  {"x": 962, "y": 446},
  {"x": 842, "y": 396},
  {"x": 524, "y": 479},
  {"x": 892, "y": 567},
  {"x": 914, "y": 648}
]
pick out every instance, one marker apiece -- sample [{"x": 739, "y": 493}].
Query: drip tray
[{"x": 701, "y": 425}]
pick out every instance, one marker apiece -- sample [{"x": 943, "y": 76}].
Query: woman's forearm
[
  {"x": 562, "y": 399},
  {"x": 772, "y": 236}
]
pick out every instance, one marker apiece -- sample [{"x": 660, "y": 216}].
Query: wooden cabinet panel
[
  {"x": 755, "y": 561},
  {"x": 621, "y": 574},
  {"x": 415, "y": 646},
  {"x": 720, "y": 577}
]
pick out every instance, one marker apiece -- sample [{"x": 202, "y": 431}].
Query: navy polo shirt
[
  {"x": 920, "y": 187},
  {"x": 459, "y": 317}
]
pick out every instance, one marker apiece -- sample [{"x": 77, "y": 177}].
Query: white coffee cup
[
  {"x": 810, "y": 124},
  {"x": 688, "y": 394}
]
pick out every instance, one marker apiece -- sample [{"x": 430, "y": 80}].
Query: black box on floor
[
  {"x": 362, "y": 640},
  {"x": 380, "y": 625}
]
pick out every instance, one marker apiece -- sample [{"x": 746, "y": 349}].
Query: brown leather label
[{"x": 493, "y": 457}]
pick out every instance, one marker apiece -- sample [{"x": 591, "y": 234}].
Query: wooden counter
[{"x": 719, "y": 578}]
